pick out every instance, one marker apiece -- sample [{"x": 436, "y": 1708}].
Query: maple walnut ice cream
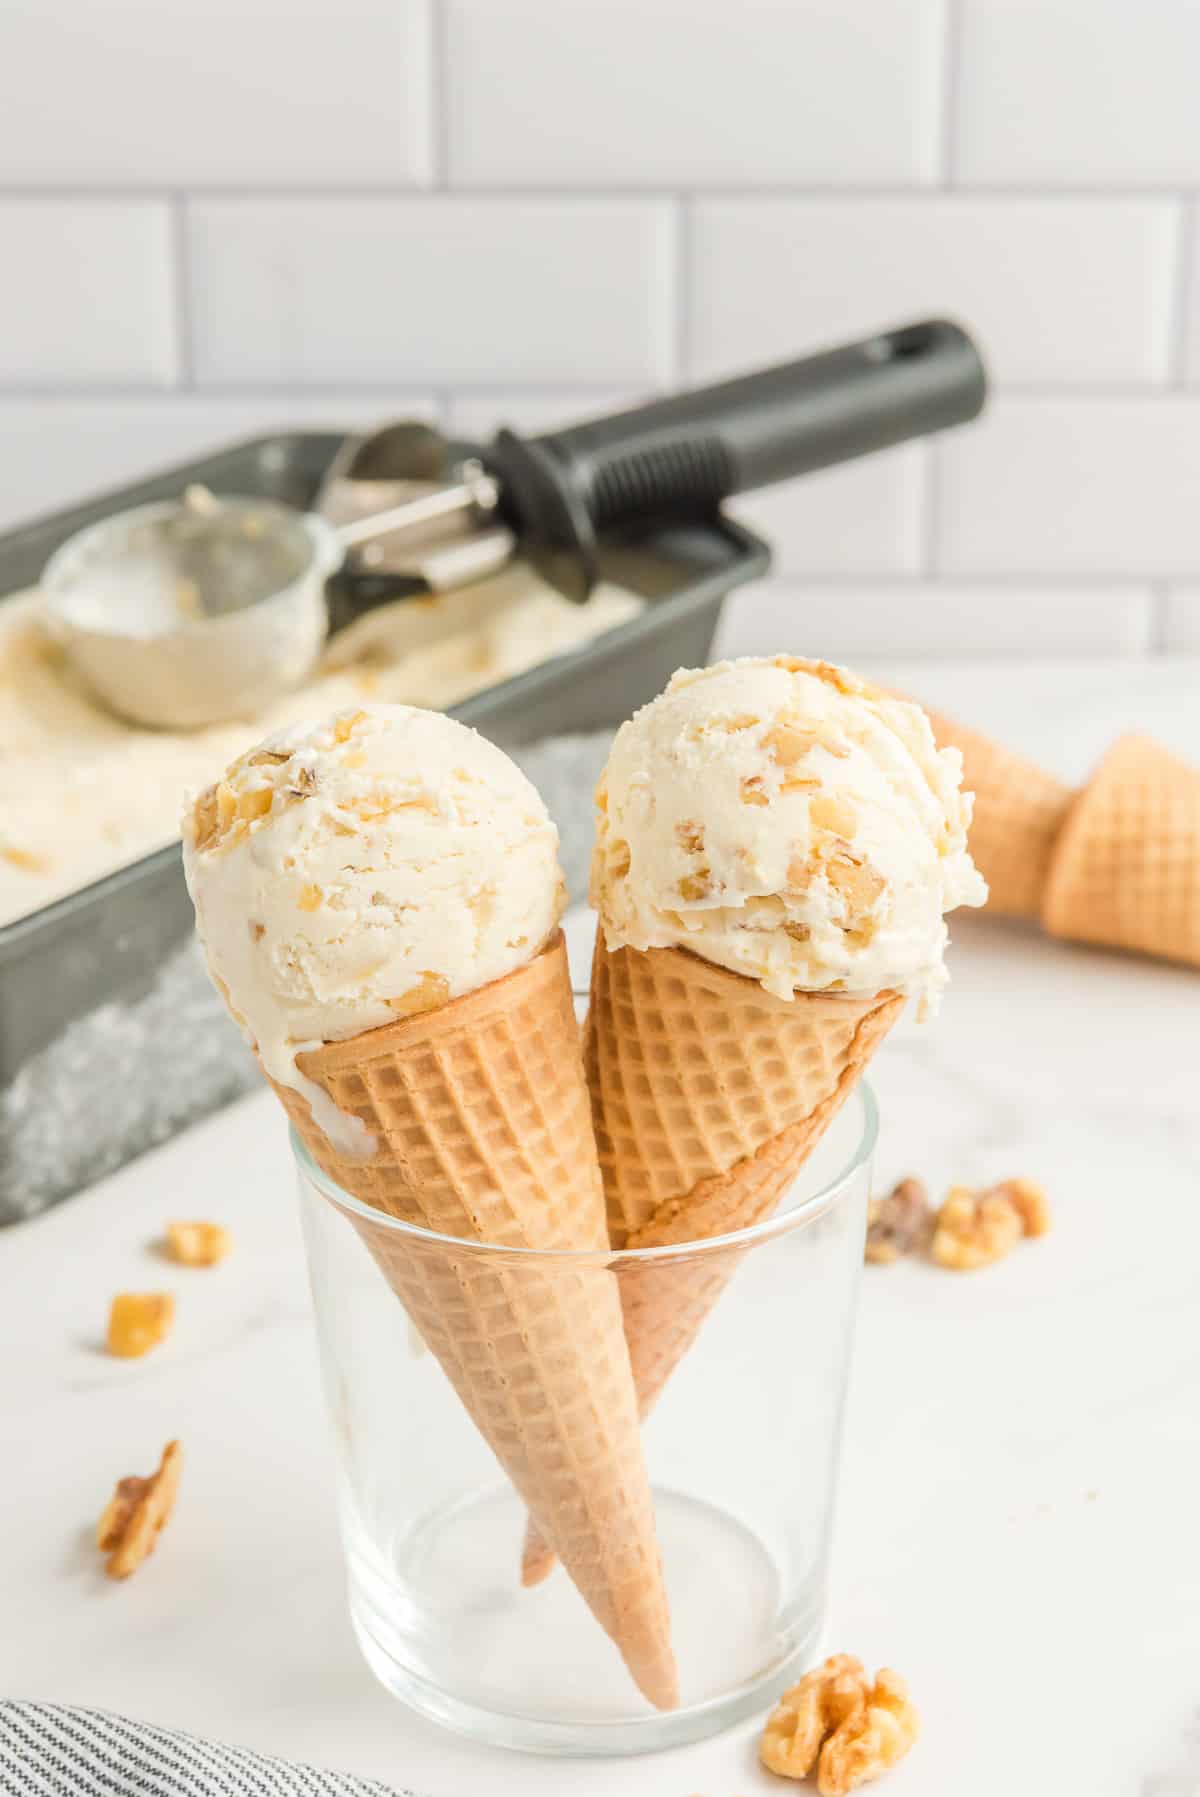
[
  {"x": 367, "y": 868},
  {"x": 790, "y": 822}
]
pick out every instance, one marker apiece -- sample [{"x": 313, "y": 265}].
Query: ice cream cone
[
  {"x": 1019, "y": 811},
  {"x": 1126, "y": 867},
  {"x": 479, "y": 1117},
  {"x": 708, "y": 1094}
]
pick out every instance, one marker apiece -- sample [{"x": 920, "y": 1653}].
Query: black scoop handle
[{"x": 682, "y": 456}]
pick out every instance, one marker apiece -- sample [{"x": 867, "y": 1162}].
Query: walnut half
[
  {"x": 838, "y": 1721},
  {"x": 136, "y": 1512}
]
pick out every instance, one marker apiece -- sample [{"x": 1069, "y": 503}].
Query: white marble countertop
[{"x": 1017, "y": 1528}]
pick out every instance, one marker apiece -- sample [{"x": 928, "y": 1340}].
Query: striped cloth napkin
[{"x": 48, "y": 1750}]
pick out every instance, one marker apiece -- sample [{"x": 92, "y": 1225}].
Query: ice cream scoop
[
  {"x": 368, "y": 868},
  {"x": 787, "y": 821}
]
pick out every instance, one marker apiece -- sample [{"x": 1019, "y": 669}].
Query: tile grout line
[
  {"x": 181, "y": 278},
  {"x": 951, "y": 87},
  {"x": 1179, "y": 306},
  {"x": 584, "y": 193},
  {"x": 437, "y": 98},
  {"x": 682, "y": 318}
]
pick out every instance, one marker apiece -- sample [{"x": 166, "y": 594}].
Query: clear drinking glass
[{"x": 742, "y": 1450}]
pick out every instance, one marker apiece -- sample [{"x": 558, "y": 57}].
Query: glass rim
[{"x": 779, "y": 1223}]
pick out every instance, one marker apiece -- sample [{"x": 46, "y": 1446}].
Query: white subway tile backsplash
[
  {"x": 431, "y": 290},
  {"x": 1087, "y": 92},
  {"x": 56, "y": 451},
  {"x": 693, "y": 92},
  {"x": 1057, "y": 290},
  {"x": 1091, "y": 486},
  {"x": 1181, "y": 620},
  {"x": 154, "y": 92},
  {"x": 85, "y": 293},
  {"x": 862, "y": 518},
  {"x": 925, "y": 620},
  {"x": 532, "y": 213}
]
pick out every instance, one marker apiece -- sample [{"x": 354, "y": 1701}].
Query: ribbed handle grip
[{"x": 681, "y": 456}]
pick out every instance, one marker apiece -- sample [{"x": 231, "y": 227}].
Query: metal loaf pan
[{"x": 86, "y": 962}]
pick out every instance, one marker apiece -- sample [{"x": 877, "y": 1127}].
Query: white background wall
[{"x": 219, "y": 217}]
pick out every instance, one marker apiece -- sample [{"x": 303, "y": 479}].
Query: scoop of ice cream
[
  {"x": 784, "y": 819},
  {"x": 350, "y": 873}
]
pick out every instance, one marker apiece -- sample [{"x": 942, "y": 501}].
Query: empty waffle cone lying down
[
  {"x": 1116, "y": 862},
  {"x": 480, "y": 1118},
  {"x": 708, "y": 1094}
]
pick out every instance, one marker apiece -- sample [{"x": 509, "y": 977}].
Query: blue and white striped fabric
[{"x": 47, "y": 1750}]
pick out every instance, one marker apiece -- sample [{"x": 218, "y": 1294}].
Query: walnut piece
[
  {"x": 135, "y": 1513},
  {"x": 808, "y": 1712},
  {"x": 835, "y": 814},
  {"x": 752, "y": 791},
  {"x": 694, "y": 887},
  {"x": 198, "y": 1244},
  {"x": 430, "y": 991},
  {"x": 973, "y": 1229},
  {"x": 870, "y": 1741},
  {"x": 899, "y": 1224},
  {"x": 1030, "y": 1203},
  {"x": 857, "y": 882},
  {"x": 690, "y": 837},
  {"x": 837, "y": 1721},
  {"x": 138, "y": 1321}
]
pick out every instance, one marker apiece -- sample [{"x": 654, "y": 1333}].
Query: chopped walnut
[
  {"x": 973, "y": 1230},
  {"x": 310, "y": 898},
  {"x": 257, "y": 930},
  {"x": 198, "y": 1244},
  {"x": 837, "y": 1721},
  {"x": 899, "y": 1224},
  {"x": 837, "y": 815},
  {"x": 799, "y": 873},
  {"x": 690, "y": 838},
  {"x": 788, "y": 743},
  {"x": 619, "y": 860},
  {"x": 752, "y": 791},
  {"x": 136, "y": 1512},
  {"x": 220, "y": 813},
  {"x": 138, "y": 1321},
  {"x": 858, "y": 883},
  {"x": 1030, "y": 1203},
  {"x": 345, "y": 726},
  {"x": 267, "y": 758},
  {"x": 304, "y": 783},
  {"x": 694, "y": 887},
  {"x": 26, "y": 859},
  {"x": 431, "y": 990}
]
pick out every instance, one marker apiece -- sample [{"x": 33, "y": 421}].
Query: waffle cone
[
  {"x": 1019, "y": 811},
  {"x": 708, "y": 1094},
  {"x": 480, "y": 1119},
  {"x": 1126, "y": 869}
]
